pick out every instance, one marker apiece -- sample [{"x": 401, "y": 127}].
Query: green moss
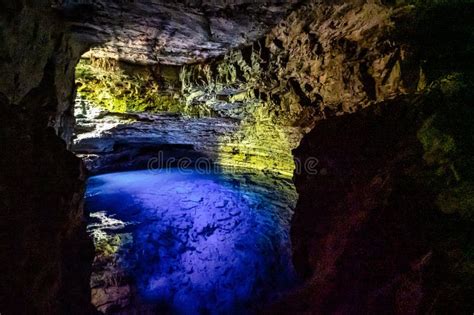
[
  {"x": 107, "y": 85},
  {"x": 458, "y": 200},
  {"x": 453, "y": 85},
  {"x": 107, "y": 245},
  {"x": 260, "y": 143},
  {"x": 440, "y": 147},
  {"x": 447, "y": 137}
]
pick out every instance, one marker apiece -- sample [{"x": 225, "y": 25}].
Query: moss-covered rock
[
  {"x": 447, "y": 136},
  {"x": 115, "y": 87}
]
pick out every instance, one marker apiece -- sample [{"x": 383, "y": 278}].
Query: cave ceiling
[{"x": 164, "y": 32}]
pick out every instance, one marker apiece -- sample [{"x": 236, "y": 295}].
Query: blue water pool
[{"x": 181, "y": 242}]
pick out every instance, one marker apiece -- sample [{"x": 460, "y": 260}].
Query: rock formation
[
  {"x": 123, "y": 141},
  {"x": 45, "y": 251},
  {"x": 152, "y": 32},
  {"x": 385, "y": 224},
  {"x": 368, "y": 233},
  {"x": 378, "y": 91}
]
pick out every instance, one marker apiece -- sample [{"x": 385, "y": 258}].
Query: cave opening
[{"x": 189, "y": 200}]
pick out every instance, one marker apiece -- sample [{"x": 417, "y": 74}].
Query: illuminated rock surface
[
  {"x": 120, "y": 141},
  {"x": 110, "y": 141},
  {"x": 159, "y": 31},
  {"x": 189, "y": 243}
]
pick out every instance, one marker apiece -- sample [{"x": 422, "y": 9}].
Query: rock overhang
[{"x": 160, "y": 32}]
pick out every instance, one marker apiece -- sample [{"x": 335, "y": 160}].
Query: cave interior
[{"x": 237, "y": 157}]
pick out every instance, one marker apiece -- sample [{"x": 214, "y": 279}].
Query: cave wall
[
  {"x": 225, "y": 124},
  {"x": 121, "y": 87},
  {"x": 43, "y": 236},
  {"x": 368, "y": 233},
  {"x": 323, "y": 60},
  {"x": 386, "y": 224}
]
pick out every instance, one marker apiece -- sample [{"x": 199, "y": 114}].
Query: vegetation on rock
[
  {"x": 116, "y": 88},
  {"x": 447, "y": 136},
  {"x": 263, "y": 140}
]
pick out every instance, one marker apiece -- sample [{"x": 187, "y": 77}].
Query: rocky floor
[{"x": 184, "y": 242}]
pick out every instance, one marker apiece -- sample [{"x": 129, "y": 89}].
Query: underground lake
[{"x": 184, "y": 241}]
